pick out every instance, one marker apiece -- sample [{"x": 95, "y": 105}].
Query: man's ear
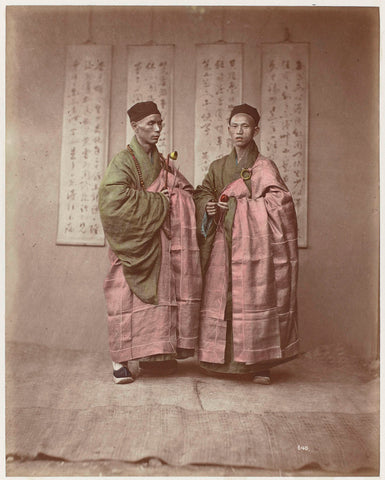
[
  {"x": 256, "y": 130},
  {"x": 134, "y": 125}
]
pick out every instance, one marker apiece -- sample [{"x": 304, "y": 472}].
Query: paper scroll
[
  {"x": 284, "y": 120},
  {"x": 218, "y": 89},
  {"x": 150, "y": 73},
  {"x": 84, "y": 143}
]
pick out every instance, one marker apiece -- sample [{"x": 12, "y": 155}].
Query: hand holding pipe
[
  {"x": 173, "y": 156},
  {"x": 165, "y": 191}
]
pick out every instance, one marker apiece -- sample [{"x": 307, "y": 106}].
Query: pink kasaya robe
[
  {"x": 263, "y": 263},
  {"x": 138, "y": 328}
]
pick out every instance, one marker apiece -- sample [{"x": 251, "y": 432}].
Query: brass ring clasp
[{"x": 245, "y": 174}]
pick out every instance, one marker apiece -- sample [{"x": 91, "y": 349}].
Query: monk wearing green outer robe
[
  {"x": 153, "y": 288},
  {"x": 247, "y": 232}
]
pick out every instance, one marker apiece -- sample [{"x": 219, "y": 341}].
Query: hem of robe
[
  {"x": 207, "y": 355},
  {"x": 181, "y": 354},
  {"x": 159, "y": 357},
  {"x": 128, "y": 354},
  {"x": 128, "y": 348},
  {"x": 253, "y": 357},
  {"x": 159, "y": 347},
  {"x": 235, "y": 368},
  {"x": 141, "y": 351},
  {"x": 216, "y": 354},
  {"x": 291, "y": 350}
]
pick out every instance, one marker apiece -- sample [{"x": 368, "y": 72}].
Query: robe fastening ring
[{"x": 245, "y": 174}]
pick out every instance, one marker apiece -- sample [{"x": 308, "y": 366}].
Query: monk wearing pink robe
[
  {"x": 153, "y": 287},
  {"x": 247, "y": 231}
]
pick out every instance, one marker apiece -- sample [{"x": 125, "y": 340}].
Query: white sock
[{"x": 116, "y": 365}]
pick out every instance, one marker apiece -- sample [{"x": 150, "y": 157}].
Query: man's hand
[
  {"x": 211, "y": 208},
  {"x": 223, "y": 205},
  {"x": 166, "y": 193}
]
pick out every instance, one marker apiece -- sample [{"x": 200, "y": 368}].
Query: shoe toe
[
  {"x": 122, "y": 375},
  {"x": 262, "y": 378}
]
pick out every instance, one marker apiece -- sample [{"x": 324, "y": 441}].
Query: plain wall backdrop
[{"x": 54, "y": 293}]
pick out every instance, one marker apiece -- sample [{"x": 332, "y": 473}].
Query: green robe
[{"x": 132, "y": 218}]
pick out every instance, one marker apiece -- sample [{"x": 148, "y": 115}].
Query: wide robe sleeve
[
  {"x": 211, "y": 188},
  {"x": 205, "y": 224},
  {"x": 203, "y": 194},
  {"x": 132, "y": 220}
]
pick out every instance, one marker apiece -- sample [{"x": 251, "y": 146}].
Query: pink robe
[
  {"x": 137, "y": 329},
  {"x": 264, "y": 274}
]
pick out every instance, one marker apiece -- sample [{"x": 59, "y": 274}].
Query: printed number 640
[{"x": 303, "y": 448}]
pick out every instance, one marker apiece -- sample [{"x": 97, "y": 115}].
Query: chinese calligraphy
[
  {"x": 150, "y": 73},
  {"x": 284, "y": 119},
  {"x": 218, "y": 89},
  {"x": 84, "y": 144}
]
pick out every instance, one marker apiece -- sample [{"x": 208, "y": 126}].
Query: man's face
[
  {"x": 148, "y": 129},
  {"x": 242, "y": 129}
]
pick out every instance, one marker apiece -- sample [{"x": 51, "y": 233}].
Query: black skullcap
[
  {"x": 245, "y": 108},
  {"x": 141, "y": 110}
]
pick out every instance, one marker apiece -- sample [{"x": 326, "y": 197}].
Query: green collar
[
  {"x": 251, "y": 156},
  {"x": 141, "y": 155}
]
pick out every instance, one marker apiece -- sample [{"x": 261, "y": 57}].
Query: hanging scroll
[
  {"x": 150, "y": 77},
  {"x": 84, "y": 143},
  {"x": 218, "y": 89},
  {"x": 284, "y": 120}
]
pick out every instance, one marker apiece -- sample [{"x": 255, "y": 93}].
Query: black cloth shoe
[
  {"x": 122, "y": 375},
  {"x": 165, "y": 367}
]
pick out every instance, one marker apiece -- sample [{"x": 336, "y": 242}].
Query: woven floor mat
[
  {"x": 64, "y": 404},
  {"x": 336, "y": 442},
  {"x": 72, "y": 379}
]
